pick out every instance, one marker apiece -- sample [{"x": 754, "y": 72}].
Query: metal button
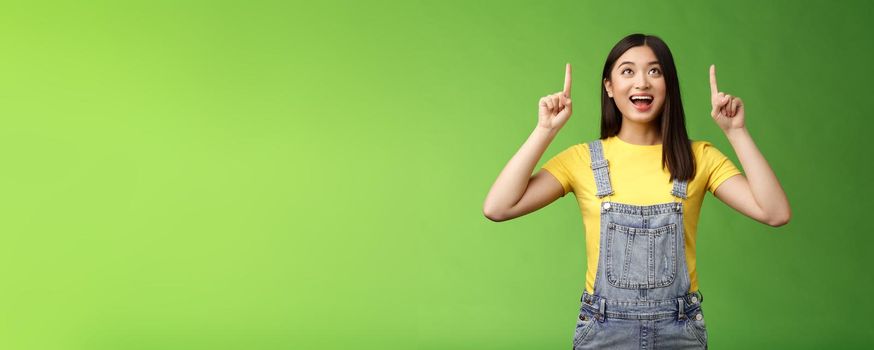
[
  {"x": 584, "y": 318},
  {"x": 694, "y": 300},
  {"x": 606, "y": 206},
  {"x": 699, "y": 317}
]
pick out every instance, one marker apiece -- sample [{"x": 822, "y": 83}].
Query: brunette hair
[{"x": 676, "y": 147}]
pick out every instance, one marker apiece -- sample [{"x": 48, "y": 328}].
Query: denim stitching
[
  {"x": 600, "y": 167},
  {"x": 667, "y": 233}
]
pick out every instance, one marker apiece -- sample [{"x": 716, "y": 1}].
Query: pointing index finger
[
  {"x": 713, "y": 89},
  {"x": 567, "y": 80}
]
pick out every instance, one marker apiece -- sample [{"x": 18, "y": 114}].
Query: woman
[{"x": 640, "y": 188}]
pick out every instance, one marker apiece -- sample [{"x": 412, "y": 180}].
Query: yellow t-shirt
[{"x": 637, "y": 177}]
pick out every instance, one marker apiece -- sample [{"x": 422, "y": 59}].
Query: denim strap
[
  {"x": 679, "y": 188},
  {"x": 600, "y": 168}
]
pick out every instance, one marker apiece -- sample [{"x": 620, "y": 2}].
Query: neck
[{"x": 640, "y": 134}]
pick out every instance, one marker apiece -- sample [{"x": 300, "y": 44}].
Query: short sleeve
[
  {"x": 561, "y": 165},
  {"x": 718, "y": 167}
]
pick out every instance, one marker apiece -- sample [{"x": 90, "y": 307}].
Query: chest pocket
[{"x": 641, "y": 258}]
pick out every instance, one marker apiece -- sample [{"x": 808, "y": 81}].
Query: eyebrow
[{"x": 629, "y": 62}]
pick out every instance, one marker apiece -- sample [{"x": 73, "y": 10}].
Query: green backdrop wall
[{"x": 310, "y": 175}]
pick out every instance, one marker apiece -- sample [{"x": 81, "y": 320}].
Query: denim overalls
[{"x": 640, "y": 298}]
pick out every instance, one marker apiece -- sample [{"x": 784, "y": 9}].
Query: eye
[
  {"x": 626, "y": 70},
  {"x": 655, "y": 71}
]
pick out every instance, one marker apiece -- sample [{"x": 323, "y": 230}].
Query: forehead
[{"x": 638, "y": 55}]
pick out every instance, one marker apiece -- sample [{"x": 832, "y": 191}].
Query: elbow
[
  {"x": 778, "y": 223},
  {"x": 493, "y": 215},
  {"x": 780, "y": 220}
]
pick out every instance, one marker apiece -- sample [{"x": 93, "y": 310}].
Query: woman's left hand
[{"x": 728, "y": 110}]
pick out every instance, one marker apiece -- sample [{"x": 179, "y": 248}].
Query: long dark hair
[{"x": 676, "y": 148}]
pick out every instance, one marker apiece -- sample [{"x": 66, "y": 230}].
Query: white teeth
[{"x": 641, "y": 98}]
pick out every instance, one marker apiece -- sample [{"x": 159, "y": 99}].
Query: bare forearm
[
  {"x": 513, "y": 179},
  {"x": 766, "y": 189}
]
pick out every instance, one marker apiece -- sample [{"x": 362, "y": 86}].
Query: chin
[{"x": 641, "y": 117}]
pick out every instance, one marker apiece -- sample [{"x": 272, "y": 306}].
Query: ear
[{"x": 609, "y": 87}]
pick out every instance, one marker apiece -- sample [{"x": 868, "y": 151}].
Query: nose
[{"x": 642, "y": 82}]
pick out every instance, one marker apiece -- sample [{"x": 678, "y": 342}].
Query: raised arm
[
  {"x": 515, "y": 192},
  {"x": 759, "y": 195}
]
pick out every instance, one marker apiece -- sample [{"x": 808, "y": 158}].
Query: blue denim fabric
[{"x": 640, "y": 298}]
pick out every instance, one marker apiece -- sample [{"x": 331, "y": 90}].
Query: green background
[{"x": 310, "y": 175}]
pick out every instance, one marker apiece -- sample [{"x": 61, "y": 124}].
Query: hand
[
  {"x": 728, "y": 111},
  {"x": 555, "y": 109}
]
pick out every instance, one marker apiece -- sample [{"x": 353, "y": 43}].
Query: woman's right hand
[{"x": 555, "y": 109}]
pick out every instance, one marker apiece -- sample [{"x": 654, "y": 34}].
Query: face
[{"x": 637, "y": 85}]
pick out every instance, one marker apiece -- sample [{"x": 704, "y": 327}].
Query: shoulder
[
  {"x": 579, "y": 151},
  {"x": 571, "y": 155},
  {"x": 585, "y": 149},
  {"x": 578, "y": 148},
  {"x": 698, "y": 145},
  {"x": 587, "y": 145},
  {"x": 703, "y": 149},
  {"x": 708, "y": 156}
]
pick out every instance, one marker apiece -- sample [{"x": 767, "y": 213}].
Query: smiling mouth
[{"x": 641, "y": 101}]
